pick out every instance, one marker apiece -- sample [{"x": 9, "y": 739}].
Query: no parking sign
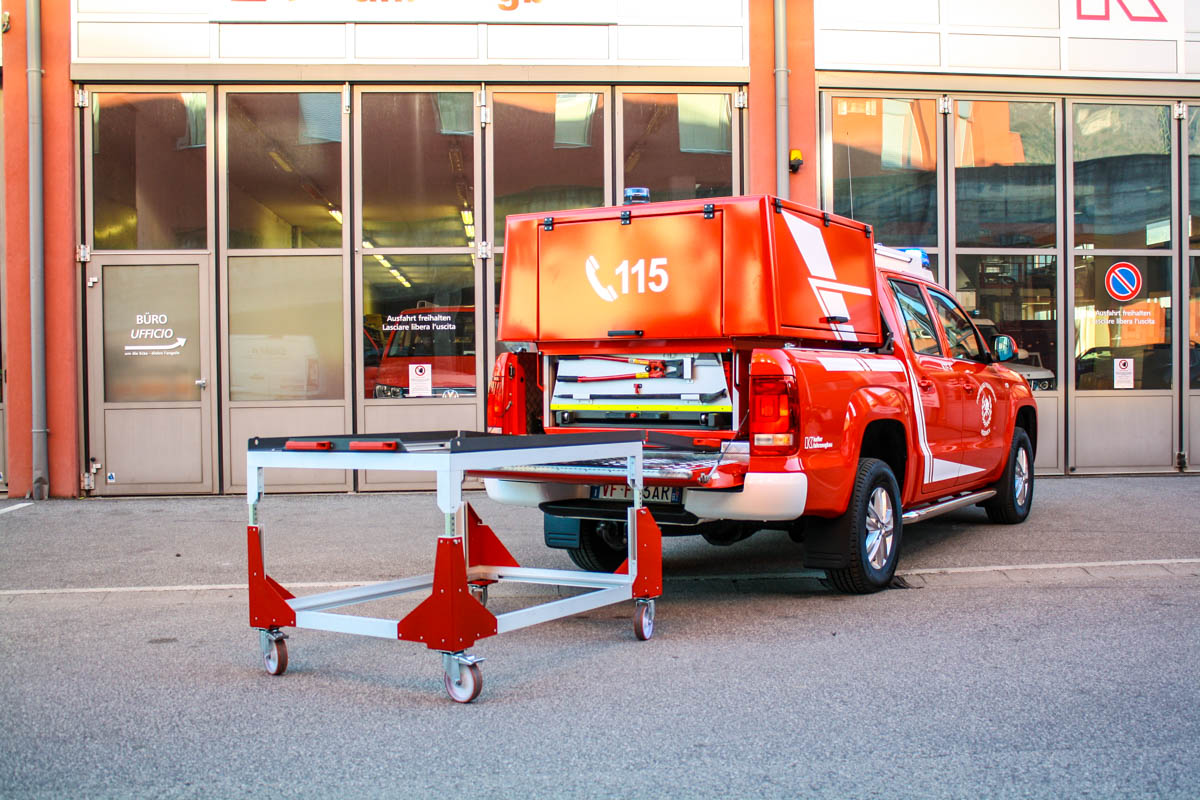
[{"x": 1123, "y": 281}]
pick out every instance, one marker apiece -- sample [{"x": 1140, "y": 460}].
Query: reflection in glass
[
  {"x": 1004, "y": 176},
  {"x": 885, "y": 167},
  {"x": 285, "y": 170},
  {"x": 285, "y": 328},
  {"x": 1018, "y": 296},
  {"x": 960, "y": 334},
  {"x": 418, "y": 169},
  {"x": 419, "y": 326},
  {"x": 151, "y": 333},
  {"x": 149, "y": 165},
  {"x": 548, "y": 152},
  {"x": 679, "y": 146},
  {"x": 1108, "y": 330},
  {"x": 1193, "y": 348},
  {"x": 1122, "y": 176}
]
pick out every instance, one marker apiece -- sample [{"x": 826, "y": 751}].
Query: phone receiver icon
[{"x": 606, "y": 293}]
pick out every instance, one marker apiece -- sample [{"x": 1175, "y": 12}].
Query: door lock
[{"x": 203, "y": 384}]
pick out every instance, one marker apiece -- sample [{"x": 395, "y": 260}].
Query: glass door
[
  {"x": 1005, "y": 242},
  {"x": 549, "y": 149},
  {"x": 148, "y": 290},
  {"x": 1123, "y": 291},
  {"x": 285, "y": 285},
  {"x": 421, "y": 335},
  {"x": 883, "y": 157}
]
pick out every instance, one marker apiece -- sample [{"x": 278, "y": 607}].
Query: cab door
[
  {"x": 937, "y": 388},
  {"x": 985, "y": 401}
]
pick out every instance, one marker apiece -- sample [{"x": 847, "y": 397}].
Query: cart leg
[
  {"x": 462, "y": 678},
  {"x": 274, "y": 650},
  {"x": 643, "y": 620}
]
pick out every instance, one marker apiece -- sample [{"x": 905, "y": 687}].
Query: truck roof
[{"x": 720, "y": 268}]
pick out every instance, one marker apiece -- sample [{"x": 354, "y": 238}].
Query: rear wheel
[
  {"x": 871, "y": 530},
  {"x": 602, "y": 547},
  {"x": 1014, "y": 493}
]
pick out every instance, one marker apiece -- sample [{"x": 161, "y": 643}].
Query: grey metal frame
[
  {"x": 92, "y": 311},
  {"x": 231, "y": 449},
  {"x": 606, "y": 589},
  {"x": 1173, "y": 253},
  {"x": 950, "y": 271},
  {"x": 1190, "y": 398}
]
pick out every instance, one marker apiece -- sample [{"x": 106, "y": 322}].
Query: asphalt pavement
[{"x": 1056, "y": 658}]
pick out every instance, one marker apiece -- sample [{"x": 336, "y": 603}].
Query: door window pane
[
  {"x": 1109, "y": 330},
  {"x": 679, "y": 146},
  {"x": 285, "y": 328},
  {"x": 418, "y": 169},
  {"x": 1122, "y": 159},
  {"x": 548, "y": 152},
  {"x": 151, "y": 333},
  {"x": 885, "y": 167},
  {"x": 960, "y": 334},
  {"x": 149, "y": 166},
  {"x": 419, "y": 326},
  {"x": 1004, "y": 175},
  {"x": 285, "y": 170},
  {"x": 917, "y": 321},
  {"x": 1015, "y": 295}
]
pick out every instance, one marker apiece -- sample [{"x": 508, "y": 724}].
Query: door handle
[
  {"x": 925, "y": 385},
  {"x": 203, "y": 384},
  {"x": 969, "y": 387}
]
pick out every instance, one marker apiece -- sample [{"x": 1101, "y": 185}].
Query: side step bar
[{"x": 953, "y": 504}]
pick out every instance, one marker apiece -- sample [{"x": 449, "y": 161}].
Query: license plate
[{"x": 650, "y": 494}]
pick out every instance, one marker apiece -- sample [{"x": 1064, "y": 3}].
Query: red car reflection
[{"x": 440, "y": 337}]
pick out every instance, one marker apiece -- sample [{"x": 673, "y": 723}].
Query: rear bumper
[{"x": 762, "y": 496}]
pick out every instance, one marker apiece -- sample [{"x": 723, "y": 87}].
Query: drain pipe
[
  {"x": 781, "y": 100},
  {"x": 37, "y": 256}
]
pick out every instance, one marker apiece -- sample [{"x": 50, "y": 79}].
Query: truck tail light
[{"x": 773, "y": 416}]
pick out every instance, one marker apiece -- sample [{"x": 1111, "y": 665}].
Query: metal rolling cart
[{"x": 469, "y": 556}]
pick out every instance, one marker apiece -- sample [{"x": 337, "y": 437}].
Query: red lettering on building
[{"x": 1150, "y": 9}]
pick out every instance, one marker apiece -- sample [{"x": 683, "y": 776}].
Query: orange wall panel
[
  {"x": 61, "y": 301},
  {"x": 802, "y": 100}
]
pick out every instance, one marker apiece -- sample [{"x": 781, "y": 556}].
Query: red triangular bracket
[
  {"x": 484, "y": 548},
  {"x": 450, "y": 618},
  {"x": 268, "y": 600},
  {"x": 648, "y": 582}
]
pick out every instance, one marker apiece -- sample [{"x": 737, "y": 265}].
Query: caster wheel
[
  {"x": 275, "y": 659},
  {"x": 468, "y": 685},
  {"x": 480, "y": 593},
  {"x": 643, "y": 621}
]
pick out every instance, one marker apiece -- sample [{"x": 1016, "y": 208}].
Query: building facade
[{"x": 271, "y": 217}]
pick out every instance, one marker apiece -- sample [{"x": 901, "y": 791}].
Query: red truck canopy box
[{"x": 714, "y": 268}]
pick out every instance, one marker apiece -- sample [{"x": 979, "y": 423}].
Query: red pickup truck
[{"x": 789, "y": 373}]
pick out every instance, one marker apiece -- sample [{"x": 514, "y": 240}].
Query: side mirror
[{"x": 1004, "y": 347}]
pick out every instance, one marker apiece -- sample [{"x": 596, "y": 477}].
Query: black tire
[
  {"x": 1014, "y": 492},
  {"x": 871, "y": 529},
  {"x": 594, "y": 554}
]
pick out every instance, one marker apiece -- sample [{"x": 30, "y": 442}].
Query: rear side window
[
  {"x": 922, "y": 333},
  {"x": 964, "y": 342}
]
